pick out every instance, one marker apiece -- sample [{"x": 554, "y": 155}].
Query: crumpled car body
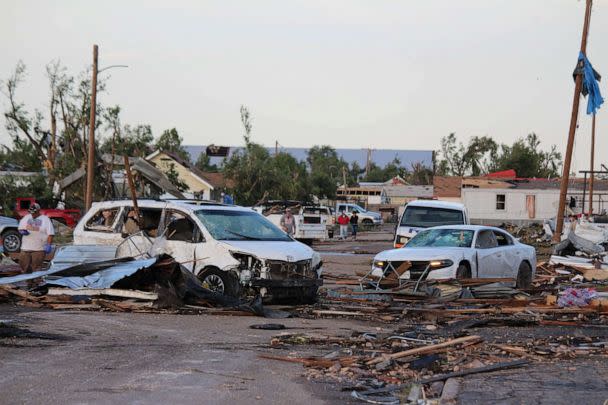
[
  {"x": 231, "y": 249},
  {"x": 458, "y": 251}
]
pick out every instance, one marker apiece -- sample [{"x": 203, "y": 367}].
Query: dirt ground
[{"x": 102, "y": 357}]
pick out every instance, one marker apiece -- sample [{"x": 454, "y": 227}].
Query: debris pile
[{"x": 126, "y": 284}]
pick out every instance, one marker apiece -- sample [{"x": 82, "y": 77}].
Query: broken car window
[
  {"x": 442, "y": 238},
  {"x": 486, "y": 240},
  {"x": 181, "y": 228},
  {"x": 502, "y": 239},
  {"x": 103, "y": 221},
  {"x": 148, "y": 221},
  {"x": 240, "y": 225},
  {"x": 426, "y": 217}
]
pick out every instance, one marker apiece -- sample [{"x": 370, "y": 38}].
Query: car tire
[
  {"x": 11, "y": 241},
  {"x": 463, "y": 271},
  {"x": 524, "y": 276},
  {"x": 367, "y": 221},
  {"x": 218, "y": 281}
]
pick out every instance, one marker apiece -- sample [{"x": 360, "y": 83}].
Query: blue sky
[{"x": 357, "y": 74}]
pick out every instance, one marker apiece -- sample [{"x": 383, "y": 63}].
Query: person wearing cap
[
  {"x": 36, "y": 239},
  {"x": 288, "y": 222}
]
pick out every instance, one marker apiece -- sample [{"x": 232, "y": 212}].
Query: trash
[
  {"x": 268, "y": 326},
  {"x": 576, "y": 297}
]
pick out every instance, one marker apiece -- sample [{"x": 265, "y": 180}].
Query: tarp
[{"x": 590, "y": 85}]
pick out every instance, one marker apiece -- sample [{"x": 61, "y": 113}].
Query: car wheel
[
  {"x": 218, "y": 281},
  {"x": 12, "y": 241},
  {"x": 524, "y": 276},
  {"x": 463, "y": 271},
  {"x": 367, "y": 221}
]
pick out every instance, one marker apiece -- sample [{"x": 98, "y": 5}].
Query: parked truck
[
  {"x": 68, "y": 217},
  {"x": 311, "y": 219},
  {"x": 365, "y": 217},
  {"x": 421, "y": 214}
]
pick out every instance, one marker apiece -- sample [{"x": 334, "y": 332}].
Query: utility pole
[
  {"x": 573, "y": 119},
  {"x": 368, "y": 161},
  {"x": 344, "y": 176},
  {"x": 91, "y": 157},
  {"x": 276, "y": 148},
  {"x": 592, "y": 166}
]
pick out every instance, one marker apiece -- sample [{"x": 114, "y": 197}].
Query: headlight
[
  {"x": 439, "y": 264},
  {"x": 379, "y": 263}
]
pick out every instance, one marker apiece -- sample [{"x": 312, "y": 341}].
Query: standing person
[
  {"x": 37, "y": 236},
  {"x": 343, "y": 222},
  {"x": 354, "y": 223},
  {"x": 288, "y": 222}
]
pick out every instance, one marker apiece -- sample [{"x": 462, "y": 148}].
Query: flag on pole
[{"x": 590, "y": 85}]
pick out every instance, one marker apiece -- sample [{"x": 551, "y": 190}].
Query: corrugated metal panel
[
  {"x": 104, "y": 278},
  {"x": 72, "y": 255}
]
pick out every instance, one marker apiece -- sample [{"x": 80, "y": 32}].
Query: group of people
[
  {"x": 344, "y": 220},
  {"x": 288, "y": 223}
]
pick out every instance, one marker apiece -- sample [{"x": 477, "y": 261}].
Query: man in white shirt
[{"x": 36, "y": 238}]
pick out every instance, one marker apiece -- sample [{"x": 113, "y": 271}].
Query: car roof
[
  {"x": 436, "y": 204},
  {"x": 470, "y": 228},
  {"x": 185, "y": 205}
]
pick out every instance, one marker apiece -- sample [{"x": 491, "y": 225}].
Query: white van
[
  {"x": 421, "y": 214},
  {"x": 231, "y": 249}
]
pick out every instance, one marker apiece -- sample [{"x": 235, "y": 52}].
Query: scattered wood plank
[
  {"x": 426, "y": 349},
  {"x": 111, "y": 292}
]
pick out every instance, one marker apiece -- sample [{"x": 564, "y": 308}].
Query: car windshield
[
  {"x": 442, "y": 238},
  {"x": 426, "y": 217},
  {"x": 240, "y": 225}
]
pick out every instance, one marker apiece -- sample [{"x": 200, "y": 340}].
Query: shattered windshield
[
  {"x": 442, "y": 238},
  {"x": 426, "y": 217},
  {"x": 240, "y": 225}
]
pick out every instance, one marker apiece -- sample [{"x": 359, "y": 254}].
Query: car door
[
  {"x": 489, "y": 256},
  {"x": 510, "y": 254},
  {"x": 137, "y": 242},
  {"x": 181, "y": 238}
]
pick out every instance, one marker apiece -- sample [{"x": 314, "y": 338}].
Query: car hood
[
  {"x": 420, "y": 254},
  {"x": 7, "y": 221},
  {"x": 273, "y": 250}
]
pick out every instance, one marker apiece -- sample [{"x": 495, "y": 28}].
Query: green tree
[
  {"x": 173, "y": 176},
  {"x": 326, "y": 170},
  {"x": 528, "y": 160},
  {"x": 170, "y": 141},
  {"x": 204, "y": 163},
  {"x": 482, "y": 155},
  {"x": 251, "y": 168},
  {"x": 131, "y": 141}
]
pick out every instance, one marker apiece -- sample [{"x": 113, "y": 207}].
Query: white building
[{"x": 529, "y": 201}]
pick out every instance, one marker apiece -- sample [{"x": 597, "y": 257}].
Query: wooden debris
[
  {"x": 427, "y": 349},
  {"x": 111, "y": 292}
]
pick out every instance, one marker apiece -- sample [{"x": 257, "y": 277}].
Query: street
[{"x": 105, "y": 357}]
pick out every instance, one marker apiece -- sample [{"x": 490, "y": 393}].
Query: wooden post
[
  {"x": 91, "y": 157},
  {"x": 131, "y": 186},
  {"x": 591, "y": 175},
  {"x": 559, "y": 226}
]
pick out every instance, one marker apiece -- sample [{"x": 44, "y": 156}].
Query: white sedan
[{"x": 460, "y": 251}]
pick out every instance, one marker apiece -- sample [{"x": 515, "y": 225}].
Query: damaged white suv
[{"x": 231, "y": 249}]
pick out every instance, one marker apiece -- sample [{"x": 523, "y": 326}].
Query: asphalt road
[{"x": 96, "y": 357}]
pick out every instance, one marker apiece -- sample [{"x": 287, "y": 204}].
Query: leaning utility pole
[
  {"x": 573, "y": 119},
  {"x": 91, "y": 157},
  {"x": 592, "y": 166}
]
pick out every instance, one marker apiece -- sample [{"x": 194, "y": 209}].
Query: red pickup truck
[{"x": 69, "y": 217}]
